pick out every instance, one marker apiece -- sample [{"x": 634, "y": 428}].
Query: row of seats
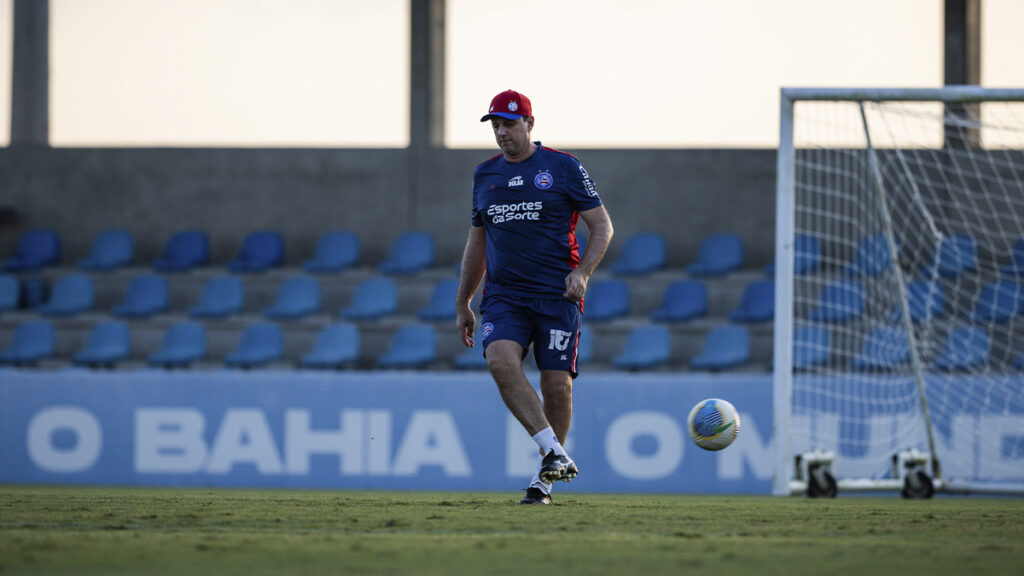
[
  {"x": 410, "y": 252},
  {"x": 337, "y": 345},
  {"x": 374, "y": 298}
]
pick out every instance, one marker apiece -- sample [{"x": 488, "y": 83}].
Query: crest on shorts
[
  {"x": 543, "y": 180},
  {"x": 486, "y": 329}
]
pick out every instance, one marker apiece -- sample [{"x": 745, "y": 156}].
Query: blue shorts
[{"x": 551, "y": 325}]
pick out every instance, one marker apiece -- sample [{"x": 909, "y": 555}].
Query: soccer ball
[{"x": 713, "y": 424}]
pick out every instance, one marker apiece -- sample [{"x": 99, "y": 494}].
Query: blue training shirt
[{"x": 529, "y": 211}]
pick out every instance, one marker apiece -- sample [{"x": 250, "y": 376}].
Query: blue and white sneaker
[{"x": 555, "y": 467}]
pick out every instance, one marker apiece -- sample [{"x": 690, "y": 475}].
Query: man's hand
[
  {"x": 576, "y": 285},
  {"x": 465, "y": 321}
]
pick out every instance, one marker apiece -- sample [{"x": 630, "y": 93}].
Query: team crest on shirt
[
  {"x": 486, "y": 330},
  {"x": 543, "y": 180}
]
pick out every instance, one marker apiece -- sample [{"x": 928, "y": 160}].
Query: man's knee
[{"x": 555, "y": 383}]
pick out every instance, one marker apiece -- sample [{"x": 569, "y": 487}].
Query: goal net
[{"x": 899, "y": 331}]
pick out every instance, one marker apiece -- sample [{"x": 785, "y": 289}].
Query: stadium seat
[
  {"x": 71, "y": 294},
  {"x": 9, "y": 292},
  {"x": 999, "y": 301},
  {"x": 412, "y": 346},
  {"x": 724, "y": 347},
  {"x": 718, "y": 255},
  {"x": 840, "y": 302},
  {"x": 757, "y": 303},
  {"x": 146, "y": 295},
  {"x": 606, "y": 300},
  {"x": 107, "y": 344},
  {"x": 871, "y": 258},
  {"x": 336, "y": 346},
  {"x": 297, "y": 297},
  {"x": 335, "y": 252},
  {"x": 185, "y": 250},
  {"x": 260, "y": 344},
  {"x": 585, "y": 346},
  {"x": 410, "y": 252},
  {"x": 811, "y": 347},
  {"x": 374, "y": 299},
  {"x": 683, "y": 300},
  {"x": 925, "y": 299},
  {"x": 647, "y": 347},
  {"x": 966, "y": 347},
  {"x": 1016, "y": 265},
  {"x": 110, "y": 250},
  {"x": 956, "y": 254},
  {"x": 260, "y": 251},
  {"x": 33, "y": 340},
  {"x": 806, "y": 255},
  {"x": 884, "y": 348},
  {"x": 442, "y": 301},
  {"x": 222, "y": 296},
  {"x": 183, "y": 344},
  {"x": 643, "y": 253},
  {"x": 36, "y": 249}
]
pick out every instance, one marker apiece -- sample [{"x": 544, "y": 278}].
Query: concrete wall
[{"x": 683, "y": 194}]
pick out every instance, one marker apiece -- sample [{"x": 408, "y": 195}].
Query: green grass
[{"x": 75, "y": 530}]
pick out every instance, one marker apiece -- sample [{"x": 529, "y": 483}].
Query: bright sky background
[{"x": 600, "y": 73}]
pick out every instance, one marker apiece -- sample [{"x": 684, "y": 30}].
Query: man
[{"x": 526, "y": 202}]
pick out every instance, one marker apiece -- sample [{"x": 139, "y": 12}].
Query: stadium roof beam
[
  {"x": 426, "y": 97},
  {"x": 30, "y": 74}
]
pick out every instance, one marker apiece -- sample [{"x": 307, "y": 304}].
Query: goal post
[{"x": 899, "y": 259}]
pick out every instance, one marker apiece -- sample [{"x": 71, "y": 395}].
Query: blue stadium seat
[
  {"x": 683, "y": 300},
  {"x": 647, "y": 347},
  {"x": 999, "y": 301},
  {"x": 965, "y": 348},
  {"x": 606, "y": 300},
  {"x": 260, "y": 344},
  {"x": 925, "y": 299},
  {"x": 335, "y": 252},
  {"x": 585, "y": 346},
  {"x": 9, "y": 292},
  {"x": 885, "y": 348},
  {"x": 956, "y": 254},
  {"x": 718, "y": 255},
  {"x": 806, "y": 255},
  {"x": 811, "y": 347},
  {"x": 1016, "y": 265},
  {"x": 183, "y": 344},
  {"x": 222, "y": 296},
  {"x": 724, "y": 347},
  {"x": 374, "y": 299},
  {"x": 412, "y": 346},
  {"x": 442, "y": 301},
  {"x": 297, "y": 297},
  {"x": 72, "y": 294},
  {"x": 840, "y": 302},
  {"x": 33, "y": 340},
  {"x": 643, "y": 253},
  {"x": 107, "y": 344},
  {"x": 184, "y": 251},
  {"x": 410, "y": 252},
  {"x": 871, "y": 258},
  {"x": 36, "y": 249},
  {"x": 110, "y": 250},
  {"x": 757, "y": 304},
  {"x": 336, "y": 346},
  {"x": 146, "y": 295},
  {"x": 260, "y": 251}
]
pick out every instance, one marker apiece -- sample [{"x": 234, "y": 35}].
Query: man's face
[{"x": 512, "y": 136}]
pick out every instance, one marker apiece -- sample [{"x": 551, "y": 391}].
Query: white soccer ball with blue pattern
[{"x": 713, "y": 424}]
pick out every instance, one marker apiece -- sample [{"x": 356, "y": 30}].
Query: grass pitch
[{"x": 75, "y": 530}]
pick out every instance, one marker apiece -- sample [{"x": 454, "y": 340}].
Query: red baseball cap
[{"x": 509, "y": 104}]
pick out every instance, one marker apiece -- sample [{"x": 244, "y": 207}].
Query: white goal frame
[{"x": 786, "y": 476}]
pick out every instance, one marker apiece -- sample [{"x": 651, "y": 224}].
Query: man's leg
[
  {"x": 505, "y": 361},
  {"x": 556, "y": 386}
]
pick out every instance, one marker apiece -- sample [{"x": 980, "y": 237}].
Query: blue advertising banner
[{"x": 367, "y": 430}]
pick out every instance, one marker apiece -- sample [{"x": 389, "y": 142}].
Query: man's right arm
[{"x": 474, "y": 264}]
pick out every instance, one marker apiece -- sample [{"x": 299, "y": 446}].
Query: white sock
[{"x": 547, "y": 441}]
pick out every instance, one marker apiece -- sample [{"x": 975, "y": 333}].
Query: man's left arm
[{"x": 600, "y": 226}]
